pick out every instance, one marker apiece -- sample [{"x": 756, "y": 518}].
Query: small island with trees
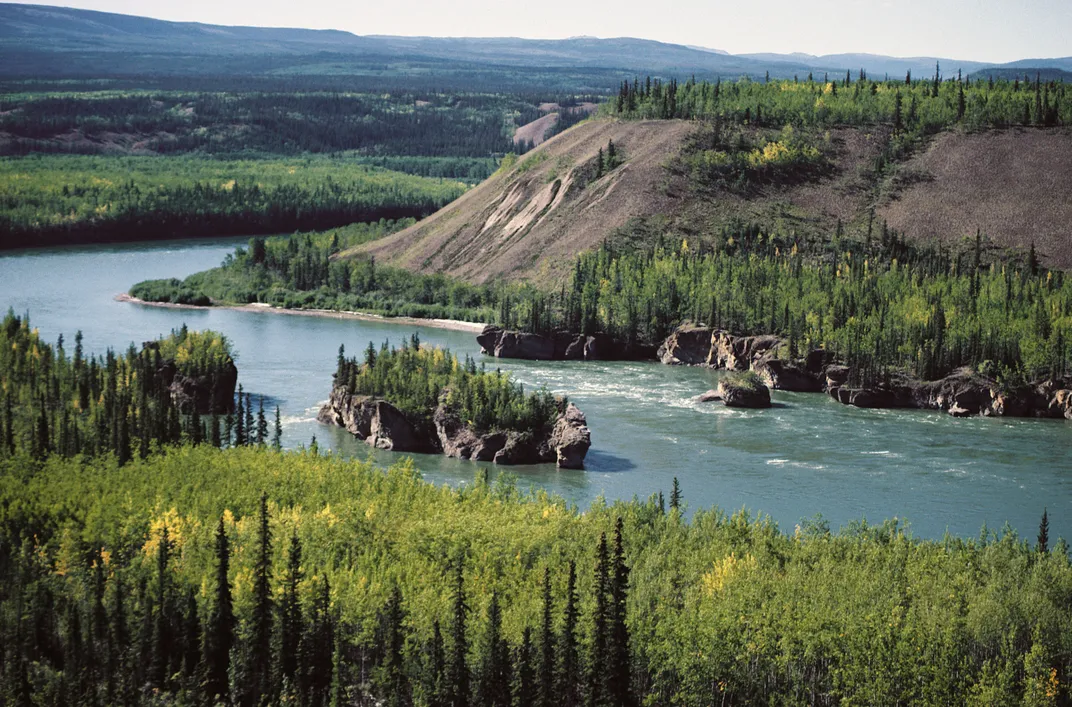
[{"x": 421, "y": 399}]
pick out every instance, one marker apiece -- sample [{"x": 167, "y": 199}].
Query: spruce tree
[
  {"x": 219, "y": 633},
  {"x": 251, "y": 424},
  {"x": 191, "y": 641},
  {"x": 162, "y": 634},
  {"x": 620, "y": 665},
  {"x": 458, "y": 670},
  {"x": 291, "y": 624},
  {"x": 240, "y": 420},
  {"x": 494, "y": 687},
  {"x": 262, "y": 424},
  {"x": 1043, "y": 545},
  {"x": 277, "y": 434},
  {"x": 259, "y": 664},
  {"x": 525, "y": 681},
  {"x": 568, "y": 691},
  {"x": 436, "y": 688},
  {"x": 547, "y": 646},
  {"x": 391, "y": 680},
  {"x": 598, "y": 661},
  {"x": 675, "y": 496}
]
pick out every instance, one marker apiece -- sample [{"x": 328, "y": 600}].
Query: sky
[{"x": 980, "y": 30}]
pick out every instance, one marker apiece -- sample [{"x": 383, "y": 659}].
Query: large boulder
[
  {"x": 1060, "y": 404},
  {"x": 376, "y": 421},
  {"x": 515, "y": 344},
  {"x": 738, "y": 353},
  {"x": 459, "y": 440},
  {"x": 570, "y": 438},
  {"x": 783, "y": 375},
  {"x": 688, "y": 345},
  {"x": 208, "y": 394},
  {"x": 489, "y": 339},
  {"x": 743, "y": 392}
]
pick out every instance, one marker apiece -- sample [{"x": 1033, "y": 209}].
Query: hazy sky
[{"x": 983, "y": 30}]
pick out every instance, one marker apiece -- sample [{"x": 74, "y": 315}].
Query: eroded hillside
[{"x": 530, "y": 219}]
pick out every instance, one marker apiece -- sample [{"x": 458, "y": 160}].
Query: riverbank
[{"x": 452, "y": 324}]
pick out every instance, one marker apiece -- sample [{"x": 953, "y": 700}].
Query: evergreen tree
[
  {"x": 1044, "y": 533},
  {"x": 219, "y": 633},
  {"x": 569, "y": 658},
  {"x": 262, "y": 424},
  {"x": 391, "y": 680},
  {"x": 599, "y": 662},
  {"x": 525, "y": 682},
  {"x": 240, "y": 420},
  {"x": 620, "y": 666},
  {"x": 162, "y": 634},
  {"x": 214, "y": 431},
  {"x": 251, "y": 423},
  {"x": 277, "y": 434},
  {"x": 458, "y": 670},
  {"x": 436, "y": 688},
  {"x": 675, "y": 496},
  {"x": 259, "y": 648},
  {"x": 191, "y": 642},
  {"x": 494, "y": 687},
  {"x": 547, "y": 646},
  {"x": 291, "y": 623}
]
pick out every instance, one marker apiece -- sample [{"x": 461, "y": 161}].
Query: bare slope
[
  {"x": 1015, "y": 185},
  {"x": 530, "y": 220}
]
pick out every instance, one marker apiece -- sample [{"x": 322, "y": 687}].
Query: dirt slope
[
  {"x": 1015, "y": 185},
  {"x": 529, "y": 221}
]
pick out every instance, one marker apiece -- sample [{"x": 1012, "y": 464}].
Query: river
[{"x": 806, "y": 456}]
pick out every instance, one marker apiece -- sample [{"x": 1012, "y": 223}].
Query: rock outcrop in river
[
  {"x": 562, "y": 346},
  {"x": 211, "y": 393},
  {"x": 960, "y": 394},
  {"x": 380, "y": 424}
]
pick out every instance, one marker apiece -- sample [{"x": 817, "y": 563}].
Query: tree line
[
  {"x": 913, "y": 105},
  {"x": 303, "y": 272},
  {"x": 72, "y": 199},
  {"x": 877, "y": 303}
]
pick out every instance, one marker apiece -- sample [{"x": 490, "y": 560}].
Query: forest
[
  {"x": 913, "y": 105},
  {"x": 206, "y": 576},
  {"x": 415, "y": 379},
  {"x": 879, "y": 304},
  {"x": 455, "y": 124},
  {"x": 59, "y": 199},
  {"x": 299, "y": 272}
]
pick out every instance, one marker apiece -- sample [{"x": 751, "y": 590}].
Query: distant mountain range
[{"x": 38, "y": 40}]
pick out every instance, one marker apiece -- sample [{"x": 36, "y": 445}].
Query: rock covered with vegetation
[
  {"x": 52, "y": 402},
  {"x": 198, "y": 369},
  {"x": 425, "y": 400},
  {"x": 740, "y": 390}
]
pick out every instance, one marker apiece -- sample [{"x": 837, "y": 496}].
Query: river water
[{"x": 806, "y": 456}]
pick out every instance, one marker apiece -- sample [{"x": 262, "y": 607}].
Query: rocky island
[{"x": 416, "y": 399}]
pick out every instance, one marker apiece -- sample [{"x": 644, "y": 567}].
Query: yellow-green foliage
[
  {"x": 865, "y": 616},
  {"x": 196, "y": 352}
]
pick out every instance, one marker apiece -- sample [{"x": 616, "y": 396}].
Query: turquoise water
[{"x": 807, "y": 455}]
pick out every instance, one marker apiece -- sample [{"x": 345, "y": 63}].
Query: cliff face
[
  {"x": 562, "y": 346},
  {"x": 384, "y": 426}
]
